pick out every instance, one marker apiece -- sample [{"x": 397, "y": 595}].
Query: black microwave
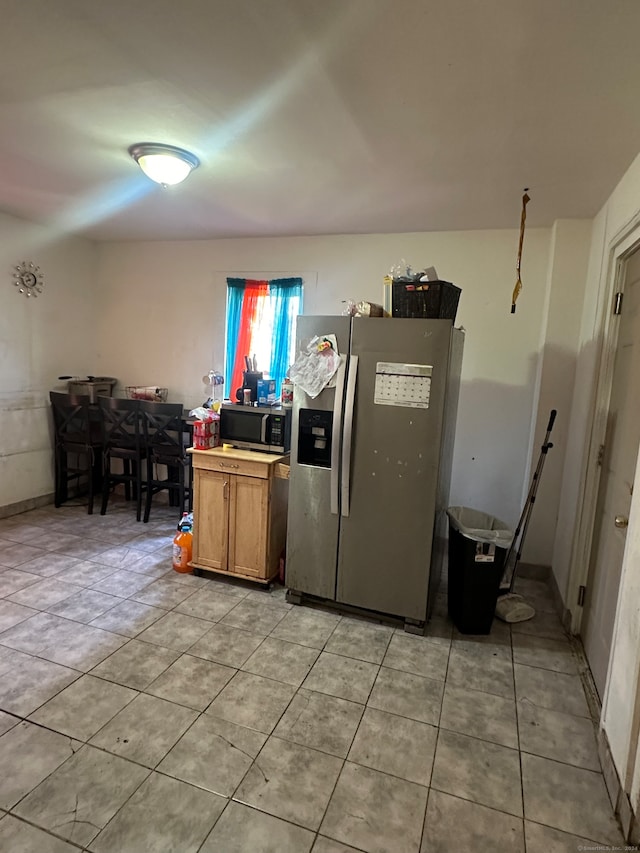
[{"x": 255, "y": 427}]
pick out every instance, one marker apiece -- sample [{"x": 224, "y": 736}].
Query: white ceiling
[{"x": 316, "y": 116}]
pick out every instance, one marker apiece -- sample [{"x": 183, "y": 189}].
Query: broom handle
[{"x": 515, "y": 549}]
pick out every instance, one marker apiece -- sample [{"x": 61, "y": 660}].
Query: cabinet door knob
[{"x": 621, "y": 521}]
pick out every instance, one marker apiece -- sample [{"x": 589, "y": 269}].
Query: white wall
[
  {"x": 559, "y": 346},
  {"x": 582, "y": 402},
  {"x": 165, "y": 304},
  {"x": 40, "y": 339}
]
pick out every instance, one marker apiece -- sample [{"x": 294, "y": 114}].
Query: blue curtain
[
  {"x": 235, "y": 295},
  {"x": 282, "y": 291}
]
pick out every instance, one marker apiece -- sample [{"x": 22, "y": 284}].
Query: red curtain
[{"x": 253, "y": 292}]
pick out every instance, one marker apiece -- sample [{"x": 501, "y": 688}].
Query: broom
[{"x": 512, "y": 607}]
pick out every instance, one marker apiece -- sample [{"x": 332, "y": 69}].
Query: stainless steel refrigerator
[{"x": 371, "y": 466}]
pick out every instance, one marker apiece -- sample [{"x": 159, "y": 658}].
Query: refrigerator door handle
[
  {"x": 335, "y": 441},
  {"x": 348, "y": 430}
]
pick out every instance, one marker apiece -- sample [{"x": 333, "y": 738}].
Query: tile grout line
[
  {"x": 515, "y": 695},
  {"x": 46, "y": 831},
  {"x": 435, "y": 748}
]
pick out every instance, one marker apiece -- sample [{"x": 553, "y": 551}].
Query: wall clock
[{"x": 28, "y": 278}]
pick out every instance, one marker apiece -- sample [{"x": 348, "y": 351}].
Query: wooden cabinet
[{"x": 240, "y": 512}]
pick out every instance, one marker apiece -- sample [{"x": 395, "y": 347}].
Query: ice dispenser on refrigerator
[{"x": 314, "y": 438}]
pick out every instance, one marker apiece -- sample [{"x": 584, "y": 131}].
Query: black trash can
[{"x": 478, "y": 545}]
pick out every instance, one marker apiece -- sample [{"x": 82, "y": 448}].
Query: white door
[{"x": 616, "y": 484}]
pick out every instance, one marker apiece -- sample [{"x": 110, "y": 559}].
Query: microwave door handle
[
  {"x": 348, "y": 431},
  {"x": 263, "y": 429},
  {"x": 335, "y": 441}
]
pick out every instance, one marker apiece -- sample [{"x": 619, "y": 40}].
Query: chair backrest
[
  {"x": 71, "y": 418},
  {"x": 121, "y": 422},
  {"x": 163, "y": 427}
]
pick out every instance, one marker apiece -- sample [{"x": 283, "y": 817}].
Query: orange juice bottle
[{"x": 182, "y": 545}]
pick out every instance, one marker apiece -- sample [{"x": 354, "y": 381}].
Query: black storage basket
[{"x": 429, "y": 299}]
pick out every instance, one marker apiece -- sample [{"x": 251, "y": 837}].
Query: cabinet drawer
[{"x": 233, "y": 465}]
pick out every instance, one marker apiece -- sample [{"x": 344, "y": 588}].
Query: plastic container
[
  {"x": 183, "y": 545},
  {"x": 287, "y": 394},
  {"x": 266, "y": 392},
  {"x": 478, "y": 545}
]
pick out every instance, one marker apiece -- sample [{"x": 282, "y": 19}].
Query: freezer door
[
  {"x": 441, "y": 526},
  {"x": 313, "y": 517},
  {"x": 385, "y": 540}
]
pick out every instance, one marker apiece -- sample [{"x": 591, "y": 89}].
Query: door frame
[{"x": 612, "y": 279}]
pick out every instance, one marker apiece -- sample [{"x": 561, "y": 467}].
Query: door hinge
[
  {"x": 600, "y": 455},
  {"x": 617, "y": 304},
  {"x": 581, "y": 594}
]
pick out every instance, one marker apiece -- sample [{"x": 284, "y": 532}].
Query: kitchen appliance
[
  {"x": 254, "y": 428},
  {"x": 371, "y": 464},
  {"x": 92, "y": 386}
]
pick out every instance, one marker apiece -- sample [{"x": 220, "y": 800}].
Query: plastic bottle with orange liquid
[{"x": 183, "y": 544}]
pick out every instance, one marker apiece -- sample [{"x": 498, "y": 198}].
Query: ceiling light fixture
[{"x": 164, "y": 164}]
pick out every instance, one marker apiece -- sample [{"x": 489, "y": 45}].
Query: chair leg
[
  {"x": 90, "y": 461},
  {"x": 126, "y": 470},
  {"x": 137, "y": 467},
  {"x": 63, "y": 493},
  {"x": 180, "y": 491},
  {"x": 106, "y": 470},
  {"x": 57, "y": 492},
  {"x": 147, "y": 505},
  {"x": 135, "y": 478}
]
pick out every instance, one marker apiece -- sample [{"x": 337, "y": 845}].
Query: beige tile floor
[{"x": 143, "y": 710}]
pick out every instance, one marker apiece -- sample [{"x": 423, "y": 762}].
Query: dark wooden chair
[
  {"x": 77, "y": 445},
  {"x": 166, "y": 440},
  {"x": 123, "y": 442}
]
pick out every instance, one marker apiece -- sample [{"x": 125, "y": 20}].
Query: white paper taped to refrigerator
[
  {"x": 406, "y": 385},
  {"x": 315, "y": 367}
]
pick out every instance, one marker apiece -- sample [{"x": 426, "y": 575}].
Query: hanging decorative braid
[{"x": 523, "y": 219}]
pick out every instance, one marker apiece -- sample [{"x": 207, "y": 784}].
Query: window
[{"x": 261, "y": 319}]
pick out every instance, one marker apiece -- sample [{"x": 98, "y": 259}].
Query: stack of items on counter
[{"x": 206, "y": 431}]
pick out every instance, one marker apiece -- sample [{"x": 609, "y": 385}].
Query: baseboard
[
  {"x": 629, "y": 822},
  {"x": 586, "y": 677},
  {"x": 45, "y": 500},
  {"x": 563, "y": 612},
  {"x": 25, "y": 505}
]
